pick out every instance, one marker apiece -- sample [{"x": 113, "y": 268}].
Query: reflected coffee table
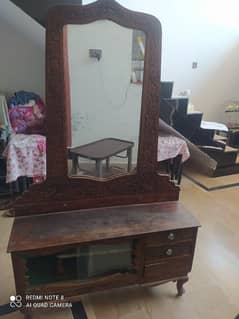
[{"x": 102, "y": 150}]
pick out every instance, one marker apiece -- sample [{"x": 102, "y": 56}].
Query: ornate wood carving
[{"x": 61, "y": 193}]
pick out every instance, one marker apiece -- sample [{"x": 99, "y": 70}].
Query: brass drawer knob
[
  {"x": 169, "y": 252},
  {"x": 171, "y": 236}
]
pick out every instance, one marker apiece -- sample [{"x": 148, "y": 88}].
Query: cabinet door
[{"x": 82, "y": 269}]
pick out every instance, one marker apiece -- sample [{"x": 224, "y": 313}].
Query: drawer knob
[
  {"x": 171, "y": 236},
  {"x": 169, "y": 252}
]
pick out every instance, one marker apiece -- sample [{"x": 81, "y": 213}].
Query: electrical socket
[
  {"x": 194, "y": 65},
  {"x": 95, "y": 53}
]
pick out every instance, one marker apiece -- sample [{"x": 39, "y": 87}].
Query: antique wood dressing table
[{"x": 79, "y": 234}]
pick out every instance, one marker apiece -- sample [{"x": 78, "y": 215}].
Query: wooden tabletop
[
  {"x": 92, "y": 225},
  {"x": 102, "y": 149}
]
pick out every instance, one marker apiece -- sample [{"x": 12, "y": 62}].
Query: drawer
[
  {"x": 169, "y": 237},
  {"x": 168, "y": 269},
  {"x": 155, "y": 254}
]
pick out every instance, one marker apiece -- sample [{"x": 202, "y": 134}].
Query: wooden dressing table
[
  {"x": 80, "y": 234},
  {"x": 163, "y": 236}
]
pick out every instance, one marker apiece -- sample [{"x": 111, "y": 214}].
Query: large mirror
[
  {"x": 103, "y": 95},
  {"x": 105, "y": 63}
]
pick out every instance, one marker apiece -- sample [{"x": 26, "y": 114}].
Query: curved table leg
[
  {"x": 180, "y": 284},
  {"x": 98, "y": 168},
  {"x": 129, "y": 155},
  {"x": 74, "y": 164},
  {"x": 107, "y": 163}
]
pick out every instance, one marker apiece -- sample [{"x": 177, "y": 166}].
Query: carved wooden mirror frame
[{"x": 62, "y": 193}]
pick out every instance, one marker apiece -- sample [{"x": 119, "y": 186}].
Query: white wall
[
  {"x": 104, "y": 102},
  {"x": 206, "y": 31},
  {"x": 22, "y": 51}
]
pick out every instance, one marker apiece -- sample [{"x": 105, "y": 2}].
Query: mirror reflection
[{"x": 106, "y": 66}]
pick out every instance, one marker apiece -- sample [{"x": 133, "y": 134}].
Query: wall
[
  {"x": 22, "y": 53},
  {"x": 203, "y": 31},
  {"x": 104, "y": 103},
  {"x": 193, "y": 30}
]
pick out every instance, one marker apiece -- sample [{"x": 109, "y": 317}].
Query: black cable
[
  {"x": 6, "y": 309},
  {"x": 78, "y": 311}
]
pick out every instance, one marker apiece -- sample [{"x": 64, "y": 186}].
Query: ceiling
[{"x": 38, "y": 9}]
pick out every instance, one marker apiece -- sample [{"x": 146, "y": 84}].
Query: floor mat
[{"x": 211, "y": 183}]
